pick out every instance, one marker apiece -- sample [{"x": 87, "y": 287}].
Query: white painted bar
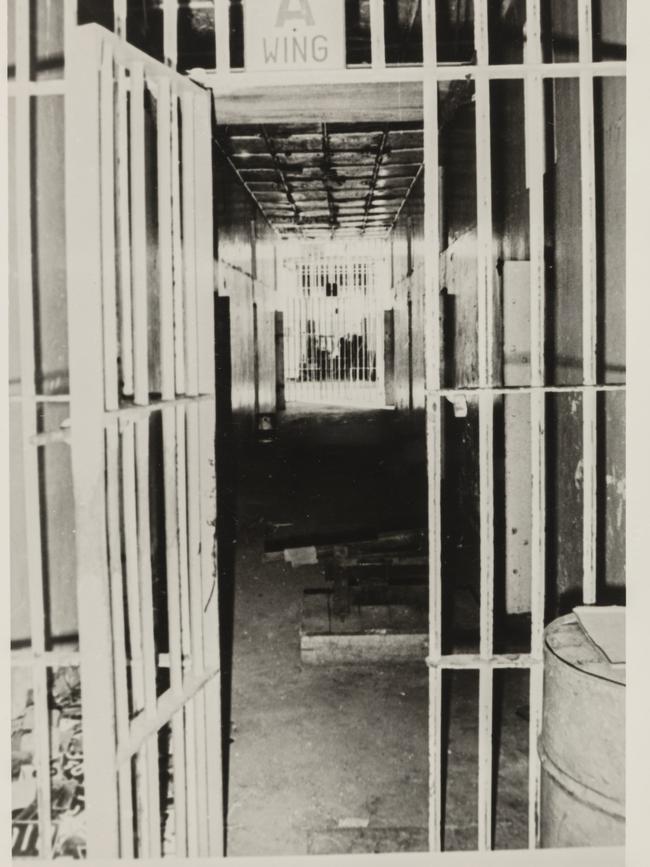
[
  {"x": 204, "y": 244},
  {"x": 589, "y": 493},
  {"x": 589, "y": 302},
  {"x": 150, "y": 750},
  {"x": 120, "y": 7},
  {"x": 28, "y": 659},
  {"x": 172, "y": 551},
  {"x": 85, "y": 332},
  {"x": 174, "y": 621},
  {"x": 124, "y": 234},
  {"x": 536, "y": 690},
  {"x": 192, "y": 788},
  {"x": 535, "y": 168},
  {"x": 486, "y": 344},
  {"x": 107, "y": 151},
  {"x": 211, "y": 631},
  {"x": 131, "y": 565},
  {"x": 143, "y": 728},
  {"x": 481, "y": 40},
  {"x": 528, "y": 389},
  {"x": 201, "y": 772},
  {"x": 433, "y": 410},
  {"x": 486, "y": 473},
  {"x": 165, "y": 239},
  {"x": 474, "y": 662},
  {"x": 222, "y": 35},
  {"x": 181, "y": 505},
  {"x": 378, "y": 49},
  {"x": 23, "y": 198},
  {"x": 177, "y": 246},
  {"x": 485, "y": 256},
  {"x": 194, "y": 536},
  {"x": 533, "y": 33},
  {"x": 138, "y": 236},
  {"x": 214, "y": 722},
  {"x": 538, "y": 588},
  {"x": 180, "y": 784},
  {"x": 170, "y": 33},
  {"x": 188, "y": 198},
  {"x": 119, "y": 637},
  {"x": 242, "y": 83},
  {"x": 585, "y": 33}
]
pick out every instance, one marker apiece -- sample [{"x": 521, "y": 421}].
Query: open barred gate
[
  {"x": 138, "y": 202},
  {"x": 142, "y": 431}
]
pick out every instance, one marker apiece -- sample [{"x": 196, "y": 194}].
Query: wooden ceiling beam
[
  {"x": 375, "y": 174},
  {"x": 281, "y": 177},
  {"x": 327, "y": 167}
]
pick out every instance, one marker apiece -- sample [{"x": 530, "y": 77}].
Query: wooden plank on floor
[
  {"x": 342, "y": 841},
  {"x": 360, "y": 649}
]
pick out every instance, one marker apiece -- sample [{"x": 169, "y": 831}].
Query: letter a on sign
[
  {"x": 294, "y": 35},
  {"x": 287, "y": 13}
]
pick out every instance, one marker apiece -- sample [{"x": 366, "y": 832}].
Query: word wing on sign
[{"x": 294, "y": 34}]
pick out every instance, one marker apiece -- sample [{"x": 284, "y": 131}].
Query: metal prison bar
[
  {"x": 533, "y": 73},
  {"x": 140, "y": 349}
]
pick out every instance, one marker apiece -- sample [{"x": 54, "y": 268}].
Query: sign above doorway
[{"x": 294, "y": 34}]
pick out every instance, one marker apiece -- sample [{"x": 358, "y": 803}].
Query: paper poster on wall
[{"x": 294, "y": 35}]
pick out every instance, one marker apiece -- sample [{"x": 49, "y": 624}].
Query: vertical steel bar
[
  {"x": 211, "y": 641},
  {"x": 134, "y": 608},
  {"x": 214, "y": 774},
  {"x": 165, "y": 237},
  {"x": 124, "y": 234},
  {"x": 129, "y": 511},
  {"x": 433, "y": 416},
  {"x": 188, "y": 194},
  {"x": 139, "y": 237},
  {"x": 149, "y": 665},
  {"x": 141, "y": 804},
  {"x": 170, "y": 32},
  {"x": 485, "y": 282},
  {"x": 174, "y": 622},
  {"x": 192, "y": 792},
  {"x": 181, "y": 505},
  {"x": 107, "y": 150},
  {"x": 24, "y": 222},
  {"x": 194, "y": 538},
  {"x": 222, "y": 35},
  {"x": 177, "y": 246},
  {"x": 486, "y": 473},
  {"x": 590, "y": 514},
  {"x": 85, "y": 330},
  {"x": 114, "y": 535},
  {"x": 204, "y": 242},
  {"x": 481, "y": 41},
  {"x": 486, "y": 419},
  {"x": 120, "y": 18},
  {"x": 535, "y": 167},
  {"x": 533, "y": 41},
  {"x": 589, "y": 302},
  {"x": 202, "y": 772}
]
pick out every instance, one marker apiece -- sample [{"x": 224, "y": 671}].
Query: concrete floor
[{"x": 323, "y": 759}]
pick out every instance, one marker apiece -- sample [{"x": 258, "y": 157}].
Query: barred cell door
[
  {"x": 141, "y": 333},
  {"x": 334, "y": 325}
]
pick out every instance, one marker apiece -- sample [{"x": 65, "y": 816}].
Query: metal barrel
[{"x": 582, "y": 744}]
